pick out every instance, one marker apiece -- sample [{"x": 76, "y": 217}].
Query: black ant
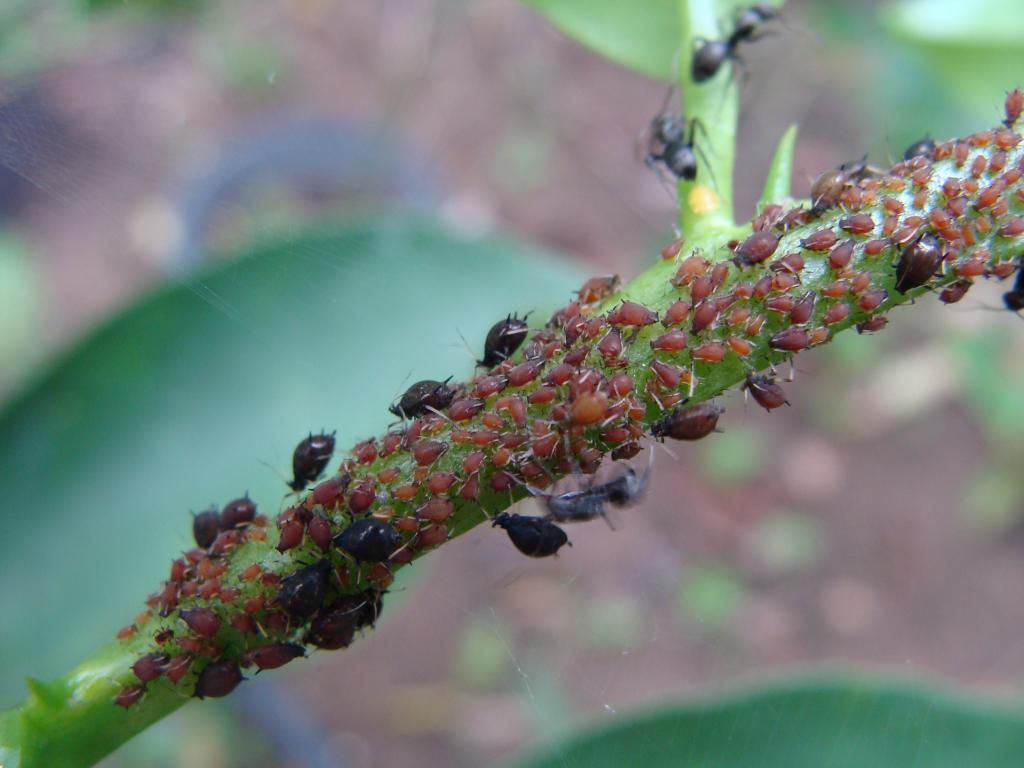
[
  {"x": 712, "y": 54},
  {"x": 672, "y": 147},
  {"x": 1014, "y": 300}
]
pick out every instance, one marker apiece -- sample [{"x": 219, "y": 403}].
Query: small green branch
[
  {"x": 439, "y": 478},
  {"x": 705, "y": 204}
]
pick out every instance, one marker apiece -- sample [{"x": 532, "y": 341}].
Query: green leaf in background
[
  {"x": 780, "y": 173},
  {"x": 839, "y": 722},
  {"x": 639, "y": 35},
  {"x": 971, "y": 50},
  {"x": 178, "y": 401}
]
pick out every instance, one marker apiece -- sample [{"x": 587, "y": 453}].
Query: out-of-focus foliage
[
  {"x": 218, "y": 378},
  {"x": 839, "y": 722}
]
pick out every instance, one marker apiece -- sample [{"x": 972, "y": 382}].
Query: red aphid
[
  {"x": 671, "y": 341},
  {"x": 668, "y": 375},
  {"x": 704, "y": 315},
  {"x": 629, "y": 313},
  {"x": 822, "y": 240},
  {"x": 765, "y": 391},
  {"x": 218, "y": 679},
  {"x": 598, "y": 288},
  {"x": 836, "y": 314},
  {"x": 203, "y": 621},
  {"x": 858, "y": 224},
  {"x": 130, "y": 695},
  {"x": 790, "y": 340},
  {"x": 756, "y": 248},
  {"x": 709, "y": 352}
]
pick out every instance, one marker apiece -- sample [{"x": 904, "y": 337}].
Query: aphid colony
[{"x": 600, "y": 377}]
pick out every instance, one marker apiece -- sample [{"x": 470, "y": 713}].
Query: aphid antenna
[
  {"x": 465, "y": 347},
  {"x": 432, "y": 409}
]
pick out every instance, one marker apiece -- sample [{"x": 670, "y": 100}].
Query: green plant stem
[
  {"x": 73, "y": 721},
  {"x": 714, "y": 105}
]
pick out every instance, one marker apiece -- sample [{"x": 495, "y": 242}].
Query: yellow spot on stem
[{"x": 702, "y": 199}]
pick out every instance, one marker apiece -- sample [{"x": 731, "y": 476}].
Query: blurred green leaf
[
  {"x": 19, "y": 309},
  {"x": 733, "y": 457},
  {"x": 180, "y": 400},
  {"x": 780, "y": 172},
  {"x": 642, "y": 36},
  {"x": 481, "y": 657},
  {"x": 985, "y": 23},
  {"x": 789, "y": 542},
  {"x": 710, "y": 595},
  {"x": 839, "y": 722},
  {"x": 992, "y": 500}
]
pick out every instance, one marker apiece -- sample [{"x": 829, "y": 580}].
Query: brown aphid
[
  {"x": 989, "y": 194},
  {"x": 872, "y": 300},
  {"x": 629, "y": 313},
  {"x": 840, "y": 256},
  {"x": 858, "y": 224},
  {"x": 668, "y": 375},
  {"x": 783, "y": 281},
  {"x": 821, "y": 240},
  {"x": 741, "y": 347},
  {"x": 704, "y": 316},
  {"x": 836, "y": 314},
  {"x": 320, "y": 532},
  {"x": 875, "y": 247},
  {"x": 781, "y": 304},
  {"x": 700, "y": 289},
  {"x": 130, "y": 695},
  {"x": 953, "y": 292},
  {"x": 598, "y": 288},
  {"x": 203, "y": 621},
  {"x": 756, "y": 248},
  {"x": 542, "y": 396},
  {"x": 1006, "y": 139},
  {"x": 827, "y": 189},
  {"x": 739, "y": 316},
  {"x": 972, "y": 267},
  {"x": 676, "y": 313},
  {"x": 918, "y": 262},
  {"x": 719, "y": 274},
  {"x": 218, "y": 679},
  {"x": 361, "y": 497},
  {"x": 1013, "y": 107},
  {"x": 1011, "y": 228},
  {"x": 273, "y": 656},
  {"x": 765, "y": 391},
  {"x": 689, "y": 270},
  {"x": 524, "y": 373},
  {"x": 610, "y": 347},
  {"x": 436, "y": 510},
  {"x": 691, "y": 423},
  {"x": 709, "y": 352},
  {"x": 873, "y": 324},
  {"x": 803, "y": 309},
  {"x": 672, "y": 250},
  {"x": 178, "y": 667},
  {"x": 791, "y": 262},
  {"x": 426, "y": 452},
  {"x": 790, "y": 340},
  {"x": 365, "y": 452},
  {"x": 893, "y": 206},
  {"x": 589, "y": 408},
  {"x": 619, "y": 385},
  {"x": 150, "y": 667},
  {"x": 671, "y": 341},
  {"x": 465, "y": 409},
  {"x": 205, "y": 527}
]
